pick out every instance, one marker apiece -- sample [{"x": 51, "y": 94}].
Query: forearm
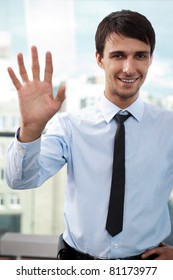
[
  {"x": 22, "y": 167},
  {"x": 29, "y": 165}
]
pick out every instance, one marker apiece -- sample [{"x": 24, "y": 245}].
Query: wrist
[{"x": 29, "y": 134}]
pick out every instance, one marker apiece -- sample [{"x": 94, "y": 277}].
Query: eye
[
  {"x": 142, "y": 55},
  {"x": 117, "y": 55}
]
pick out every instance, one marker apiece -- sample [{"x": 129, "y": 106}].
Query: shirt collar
[{"x": 109, "y": 109}]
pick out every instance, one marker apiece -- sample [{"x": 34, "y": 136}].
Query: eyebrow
[{"x": 143, "y": 52}]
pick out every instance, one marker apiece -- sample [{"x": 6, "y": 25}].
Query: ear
[{"x": 99, "y": 59}]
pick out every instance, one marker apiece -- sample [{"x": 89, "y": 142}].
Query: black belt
[{"x": 68, "y": 253}]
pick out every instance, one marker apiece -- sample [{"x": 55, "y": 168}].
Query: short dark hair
[{"x": 127, "y": 23}]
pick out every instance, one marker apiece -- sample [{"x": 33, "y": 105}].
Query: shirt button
[
  {"x": 116, "y": 245},
  {"x": 21, "y": 150}
]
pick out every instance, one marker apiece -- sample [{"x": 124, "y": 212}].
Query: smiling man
[{"x": 125, "y": 42}]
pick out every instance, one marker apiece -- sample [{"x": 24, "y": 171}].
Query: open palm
[{"x": 36, "y": 101}]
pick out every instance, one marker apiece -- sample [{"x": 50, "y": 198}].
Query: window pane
[{"x": 10, "y": 223}]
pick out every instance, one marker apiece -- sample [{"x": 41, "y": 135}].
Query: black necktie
[{"x": 116, "y": 203}]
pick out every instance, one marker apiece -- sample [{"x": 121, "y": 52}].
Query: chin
[{"x": 128, "y": 95}]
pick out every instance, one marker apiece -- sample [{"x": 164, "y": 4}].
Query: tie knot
[{"x": 122, "y": 118}]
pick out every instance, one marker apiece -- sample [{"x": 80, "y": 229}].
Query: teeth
[{"x": 128, "y": 81}]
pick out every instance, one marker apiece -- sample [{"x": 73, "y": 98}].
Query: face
[{"x": 126, "y": 62}]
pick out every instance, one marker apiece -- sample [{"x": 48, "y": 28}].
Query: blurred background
[{"x": 67, "y": 29}]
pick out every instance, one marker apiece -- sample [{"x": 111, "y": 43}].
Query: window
[
  {"x": 2, "y": 200},
  {"x": 14, "y": 200},
  {"x": 3, "y": 120},
  {"x": 15, "y": 122},
  {"x": 83, "y": 103},
  {"x": 1, "y": 173},
  {"x": 10, "y": 223}
]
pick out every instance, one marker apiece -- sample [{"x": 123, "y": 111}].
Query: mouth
[{"x": 128, "y": 81}]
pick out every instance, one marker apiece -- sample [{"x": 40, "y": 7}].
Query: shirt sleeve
[
  {"x": 17, "y": 157},
  {"x": 29, "y": 165}
]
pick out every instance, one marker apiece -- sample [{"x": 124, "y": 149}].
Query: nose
[{"x": 129, "y": 67}]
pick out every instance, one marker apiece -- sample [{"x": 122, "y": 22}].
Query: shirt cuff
[{"x": 22, "y": 148}]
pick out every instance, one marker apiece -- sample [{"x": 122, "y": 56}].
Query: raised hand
[{"x": 36, "y": 102}]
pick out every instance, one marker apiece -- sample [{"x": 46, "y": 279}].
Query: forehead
[{"x": 116, "y": 42}]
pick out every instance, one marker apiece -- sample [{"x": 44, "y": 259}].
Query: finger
[
  {"x": 163, "y": 244},
  {"x": 35, "y": 64},
  {"x": 61, "y": 94},
  {"x": 159, "y": 258},
  {"x": 149, "y": 253},
  {"x": 22, "y": 69},
  {"x": 14, "y": 79},
  {"x": 48, "y": 68}
]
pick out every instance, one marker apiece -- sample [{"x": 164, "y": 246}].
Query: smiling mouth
[{"x": 128, "y": 81}]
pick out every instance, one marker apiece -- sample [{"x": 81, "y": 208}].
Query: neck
[{"x": 121, "y": 101}]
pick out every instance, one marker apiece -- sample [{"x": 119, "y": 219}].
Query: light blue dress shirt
[{"x": 84, "y": 141}]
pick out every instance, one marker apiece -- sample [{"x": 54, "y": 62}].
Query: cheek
[
  {"x": 144, "y": 68},
  {"x": 111, "y": 69},
  {"x": 145, "y": 72}
]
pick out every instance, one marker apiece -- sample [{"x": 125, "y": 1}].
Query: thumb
[
  {"x": 163, "y": 244},
  {"x": 60, "y": 97}
]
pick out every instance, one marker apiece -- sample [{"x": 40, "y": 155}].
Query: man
[{"x": 84, "y": 141}]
